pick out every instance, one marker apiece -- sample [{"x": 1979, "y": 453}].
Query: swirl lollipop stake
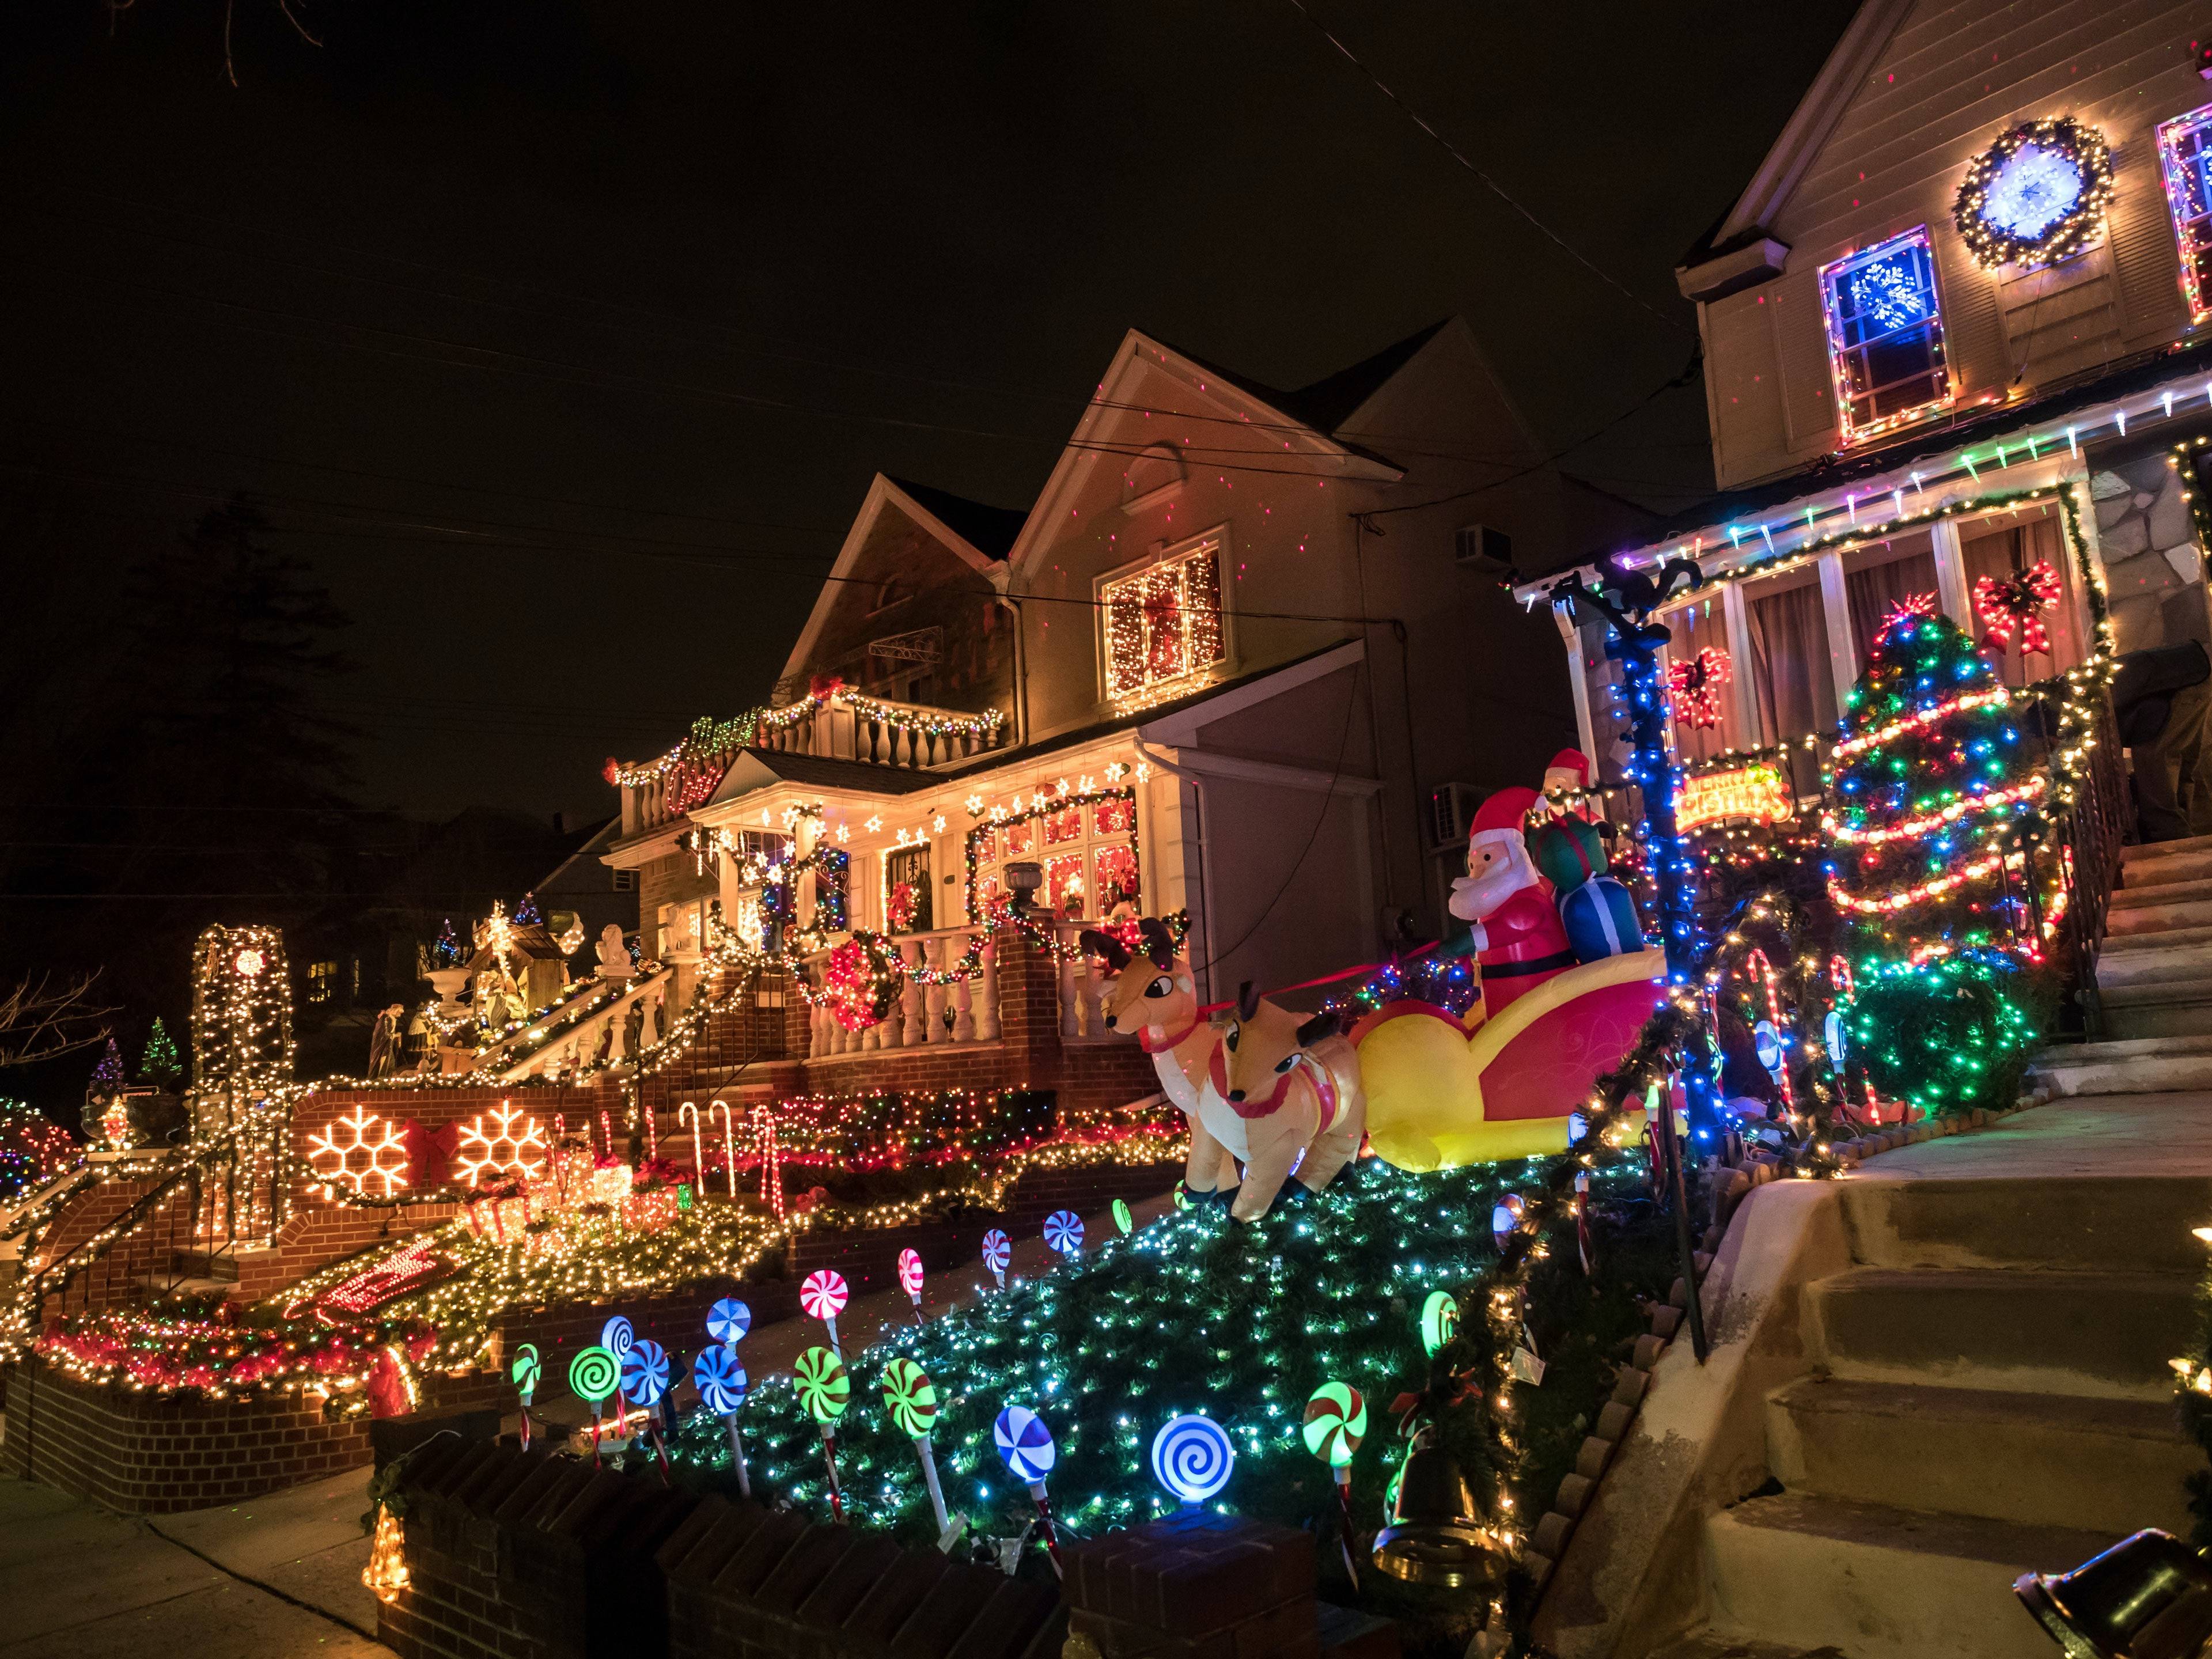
[
  {"x": 524, "y": 1374},
  {"x": 1439, "y": 1321},
  {"x": 1192, "y": 1458},
  {"x": 910, "y": 1280},
  {"x": 824, "y": 1294},
  {"x": 1123, "y": 1220},
  {"x": 825, "y": 1390},
  {"x": 1063, "y": 1230},
  {"x": 1335, "y": 1424},
  {"x": 728, "y": 1321},
  {"x": 592, "y": 1374},
  {"x": 998, "y": 1254},
  {"x": 910, "y": 1401},
  {"x": 645, "y": 1380},
  {"x": 722, "y": 1384},
  {"x": 617, "y": 1337},
  {"x": 1025, "y": 1447}
]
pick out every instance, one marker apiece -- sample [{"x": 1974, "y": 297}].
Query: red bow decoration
[
  {"x": 2018, "y": 601},
  {"x": 823, "y": 686},
  {"x": 1692, "y": 686},
  {"x": 1456, "y": 1389}
]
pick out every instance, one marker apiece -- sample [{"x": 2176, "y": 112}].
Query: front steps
[
  {"x": 1988, "y": 1395},
  {"x": 2154, "y": 969},
  {"x": 2138, "y": 1065}
]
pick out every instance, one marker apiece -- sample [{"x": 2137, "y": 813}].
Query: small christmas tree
[
  {"x": 447, "y": 952},
  {"x": 1928, "y": 796},
  {"x": 158, "y": 1065},
  {"x": 525, "y": 914},
  {"x": 107, "y": 1077}
]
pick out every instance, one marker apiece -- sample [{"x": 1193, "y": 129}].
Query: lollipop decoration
[
  {"x": 1063, "y": 1230},
  {"x": 728, "y": 1321},
  {"x": 592, "y": 1374},
  {"x": 1439, "y": 1321},
  {"x": 722, "y": 1384},
  {"x": 617, "y": 1337},
  {"x": 998, "y": 1254},
  {"x": 1335, "y": 1424},
  {"x": 1123, "y": 1220},
  {"x": 1026, "y": 1448},
  {"x": 823, "y": 1295},
  {"x": 910, "y": 1398},
  {"x": 645, "y": 1380},
  {"x": 909, "y": 1271},
  {"x": 1505, "y": 1218},
  {"x": 825, "y": 1390},
  {"x": 1192, "y": 1458},
  {"x": 523, "y": 1373}
]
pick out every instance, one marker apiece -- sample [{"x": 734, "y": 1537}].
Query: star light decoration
[
  {"x": 370, "y": 1158},
  {"x": 503, "y": 1148},
  {"x": 2037, "y": 196},
  {"x": 1692, "y": 688},
  {"x": 1886, "y": 293}
]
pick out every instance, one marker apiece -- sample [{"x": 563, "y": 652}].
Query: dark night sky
[{"x": 563, "y": 337}]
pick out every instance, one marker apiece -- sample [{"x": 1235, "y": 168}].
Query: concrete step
[
  {"x": 1709, "y": 1644},
  {"x": 1870, "y": 1582},
  {"x": 2138, "y": 958},
  {"x": 2150, "y": 851},
  {"x": 2044, "y": 1460},
  {"x": 166, "y": 1284},
  {"x": 209, "y": 1264},
  {"x": 2152, "y": 909},
  {"x": 2020, "y": 1329},
  {"x": 2157, "y": 1008},
  {"x": 2167, "y": 863},
  {"x": 2149, "y": 1066},
  {"x": 2120, "y": 1223}
]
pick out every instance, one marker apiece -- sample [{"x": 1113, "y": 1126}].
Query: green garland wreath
[{"x": 1993, "y": 244}]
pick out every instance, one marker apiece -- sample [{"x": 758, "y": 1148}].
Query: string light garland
[
  {"x": 2036, "y": 195},
  {"x": 689, "y": 773},
  {"x": 206, "y": 1349},
  {"x": 33, "y": 1150}
]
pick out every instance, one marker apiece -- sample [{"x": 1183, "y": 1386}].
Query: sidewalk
[{"x": 80, "y": 1583}]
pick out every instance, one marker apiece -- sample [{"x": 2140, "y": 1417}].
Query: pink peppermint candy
[
  {"x": 910, "y": 1272},
  {"x": 824, "y": 1294}
]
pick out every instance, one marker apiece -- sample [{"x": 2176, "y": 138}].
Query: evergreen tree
[
  {"x": 158, "y": 1065},
  {"x": 107, "y": 1077},
  {"x": 527, "y": 913},
  {"x": 1929, "y": 794}
]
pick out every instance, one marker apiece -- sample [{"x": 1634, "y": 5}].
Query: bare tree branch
[{"x": 41, "y": 1019}]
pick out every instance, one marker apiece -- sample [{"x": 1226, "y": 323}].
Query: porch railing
[
  {"x": 901, "y": 737},
  {"x": 965, "y": 1011},
  {"x": 549, "y": 1047}
]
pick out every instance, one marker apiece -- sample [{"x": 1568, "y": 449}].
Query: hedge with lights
[
  {"x": 207, "y": 1345},
  {"x": 33, "y": 1150}
]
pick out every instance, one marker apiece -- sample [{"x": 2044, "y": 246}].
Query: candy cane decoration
[
  {"x": 763, "y": 1119},
  {"x": 729, "y": 1145},
  {"x": 698, "y": 1153},
  {"x": 1765, "y": 969}
]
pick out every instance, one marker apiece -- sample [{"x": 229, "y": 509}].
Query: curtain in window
[
  {"x": 1875, "y": 590},
  {"x": 1791, "y": 676},
  {"x": 1698, "y": 628},
  {"x": 2002, "y": 551}
]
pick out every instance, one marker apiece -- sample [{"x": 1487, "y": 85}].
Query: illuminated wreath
[
  {"x": 862, "y": 980},
  {"x": 2036, "y": 195}
]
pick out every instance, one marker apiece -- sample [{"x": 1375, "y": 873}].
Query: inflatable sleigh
[{"x": 1443, "y": 1091}]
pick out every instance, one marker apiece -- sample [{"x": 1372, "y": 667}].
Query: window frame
[
  {"x": 1153, "y": 692},
  {"x": 2192, "y": 233},
  {"x": 1088, "y": 845},
  {"x": 1832, "y": 275}
]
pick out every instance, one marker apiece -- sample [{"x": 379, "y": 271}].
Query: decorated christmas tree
[
  {"x": 107, "y": 1077},
  {"x": 526, "y": 913},
  {"x": 158, "y": 1065},
  {"x": 1932, "y": 801},
  {"x": 447, "y": 952}
]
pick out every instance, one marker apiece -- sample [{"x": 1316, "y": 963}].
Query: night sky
[{"x": 563, "y": 338}]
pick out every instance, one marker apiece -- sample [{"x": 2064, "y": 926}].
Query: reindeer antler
[
  {"x": 1159, "y": 943},
  {"x": 1106, "y": 946},
  {"x": 1248, "y": 1000}
]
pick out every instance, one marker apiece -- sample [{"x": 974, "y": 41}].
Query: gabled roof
[{"x": 989, "y": 530}]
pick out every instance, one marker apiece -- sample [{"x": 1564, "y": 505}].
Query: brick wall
[{"x": 144, "y": 1454}]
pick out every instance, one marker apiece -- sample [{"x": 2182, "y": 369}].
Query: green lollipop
[
  {"x": 593, "y": 1374},
  {"x": 910, "y": 1398},
  {"x": 824, "y": 1387},
  {"x": 1336, "y": 1423},
  {"x": 524, "y": 1373},
  {"x": 1439, "y": 1321},
  {"x": 1122, "y": 1217}
]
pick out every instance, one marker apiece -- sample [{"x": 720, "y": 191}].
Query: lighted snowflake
[
  {"x": 369, "y": 1159},
  {"x": 250, "y": 963},
  {"x": 1888, "y": 293},
  {"x": 515, "y": 1144},
  {"x": 2034, "y": 188}
]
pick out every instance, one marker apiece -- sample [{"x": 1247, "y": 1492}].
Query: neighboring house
[
  {"x": 1908, "y": 399},
  {"x": 1244, "y": 657}
]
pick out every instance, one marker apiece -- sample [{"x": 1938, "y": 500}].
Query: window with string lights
[
  {"x": 1885, "y": 321},
  {"x": 2184, "y": 154},
  {"x": 1162, "y": 629},
  {"x": 1082, "y": 832}
]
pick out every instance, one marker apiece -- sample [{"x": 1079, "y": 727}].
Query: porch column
[
  {"x": 1578, "y": 680},
  {"x": 1835, "y": 606},
  {"x": 1951, "y": 574},
  {"x": 1735, "y": 612}
]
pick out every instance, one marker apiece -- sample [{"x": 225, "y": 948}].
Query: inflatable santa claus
[{"x": 1518, "y": 932}]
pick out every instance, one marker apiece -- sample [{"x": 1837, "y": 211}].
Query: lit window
[
  {"x": 2184, "y": 154},
  {"x": 1089, "y": 870},
  {"x": 322, "y": 981},
  {"x": 1886, "y": 336},
  {"x": 1163, "y": 626}
]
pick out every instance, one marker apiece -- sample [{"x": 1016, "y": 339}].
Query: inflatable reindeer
[
  {"x": 1153, "y": 995},
  {"x": 1291, "y": 1087}
]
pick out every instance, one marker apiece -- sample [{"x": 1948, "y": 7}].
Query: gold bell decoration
[
  {"x": 1434, "y": 1537},
  {"x": 2147, "y": 1597}
]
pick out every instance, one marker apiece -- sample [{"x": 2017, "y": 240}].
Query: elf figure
[
  {"x": 1567, "y": 847},
  {"x": 1516, "y": 928}
]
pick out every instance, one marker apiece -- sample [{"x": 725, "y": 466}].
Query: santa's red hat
[
  {"x": 1501, "y": 817},
  {"x": 1570, "y": 761}
]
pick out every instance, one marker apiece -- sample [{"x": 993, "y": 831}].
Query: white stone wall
[{"x": 2154, "y": 570}]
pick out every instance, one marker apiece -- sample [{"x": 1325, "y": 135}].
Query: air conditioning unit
[
  {"x": 1477, "y": 543},
  {"x": 1451, "y": 810}
]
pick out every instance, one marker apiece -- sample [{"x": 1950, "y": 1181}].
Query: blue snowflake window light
[
  {"x": 2037, "y": 196},
  {"x": 1885, "y": 325},
  {"x": 1888, "y": 294}
]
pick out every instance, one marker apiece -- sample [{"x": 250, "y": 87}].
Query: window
[
  {"x": 322, "y": 981},
  {"x": 1163, "y": 626},
  {"x": 907, "y": 890},
  {"x": 2023, "y": 560},
  {"x": 2184, "y": 154},
  {"x": 1699, "y": 644},
  {"x": 1792, "y": 678},
  {"x": 1886, "y": 336},
  {"x": 1880, "y": 578},
  {"x": 1088, "y": 852},
  {"x": 625, "y": 881},
  {"x": 1477, "y": 543}
]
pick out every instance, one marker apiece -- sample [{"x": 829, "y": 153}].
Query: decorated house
[
  {"x": 1242, "y": 659},
  {"x": 1954, "y": 336}
]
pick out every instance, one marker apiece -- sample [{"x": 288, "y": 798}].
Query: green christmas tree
[
  {"x": 1929, "y": 794},
  {"x": 158, "y": 1065}
]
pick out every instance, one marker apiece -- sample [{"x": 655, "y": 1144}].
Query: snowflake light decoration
[
  {"x": 365, "y": 1154},
  {"x": 2017, "y": 602},
  {"x": 1889, "y": 295},
  {"x": 1693, "y": 687},
  {"x": 515, "y": 1143},
  {"x": 2037, "y": 196}
]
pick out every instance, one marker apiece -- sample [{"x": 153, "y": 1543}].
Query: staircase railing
[{"x": 2090, "y": 831}]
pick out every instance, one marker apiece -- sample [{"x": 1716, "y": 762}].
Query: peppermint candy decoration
[
  {"x": 824, "y": 1294},
  {"x": 728, "y": 1321},
  {"x": 1181, "y": 1196},
  {"x": 592, "y": 1374},
  {"x": 1025, "y": 1444},
  {"x": 1439, "y": 1321},
  {"x": 1063, "y": 1230},
  {"x": 910, "y": 1398},
  {"x": 645, "y": 1374},
  {"x": 1336, "y": 1422},
  {"x": 721, "y": 1381},
  {"x": 1192, "y": 1458},
  {"x": 1505, "y": 1218},
  {"x": 617, "y": 1337},
  {"x": 524, "y": 1371},
  {"x": 824, "y": 1387},
  {"x": 1122, "y": 1218},
  {"x": 909, "y": 1270},
  {"x": 998, "y": 1252}
]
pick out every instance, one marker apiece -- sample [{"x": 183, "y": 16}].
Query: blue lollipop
[
  {"x": 645, "y": 1373},
  {"x": 1192, "y": 1456},
  {"x": 728, "y": 1320},
  {"x": 998, "y": 1253},
  {"x": 720, "y": 1381},
  {"x": 1063, "y": 1230},
  {"x": 1025, "y": 1444},
  {"x": 617, "y": 1337}
]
